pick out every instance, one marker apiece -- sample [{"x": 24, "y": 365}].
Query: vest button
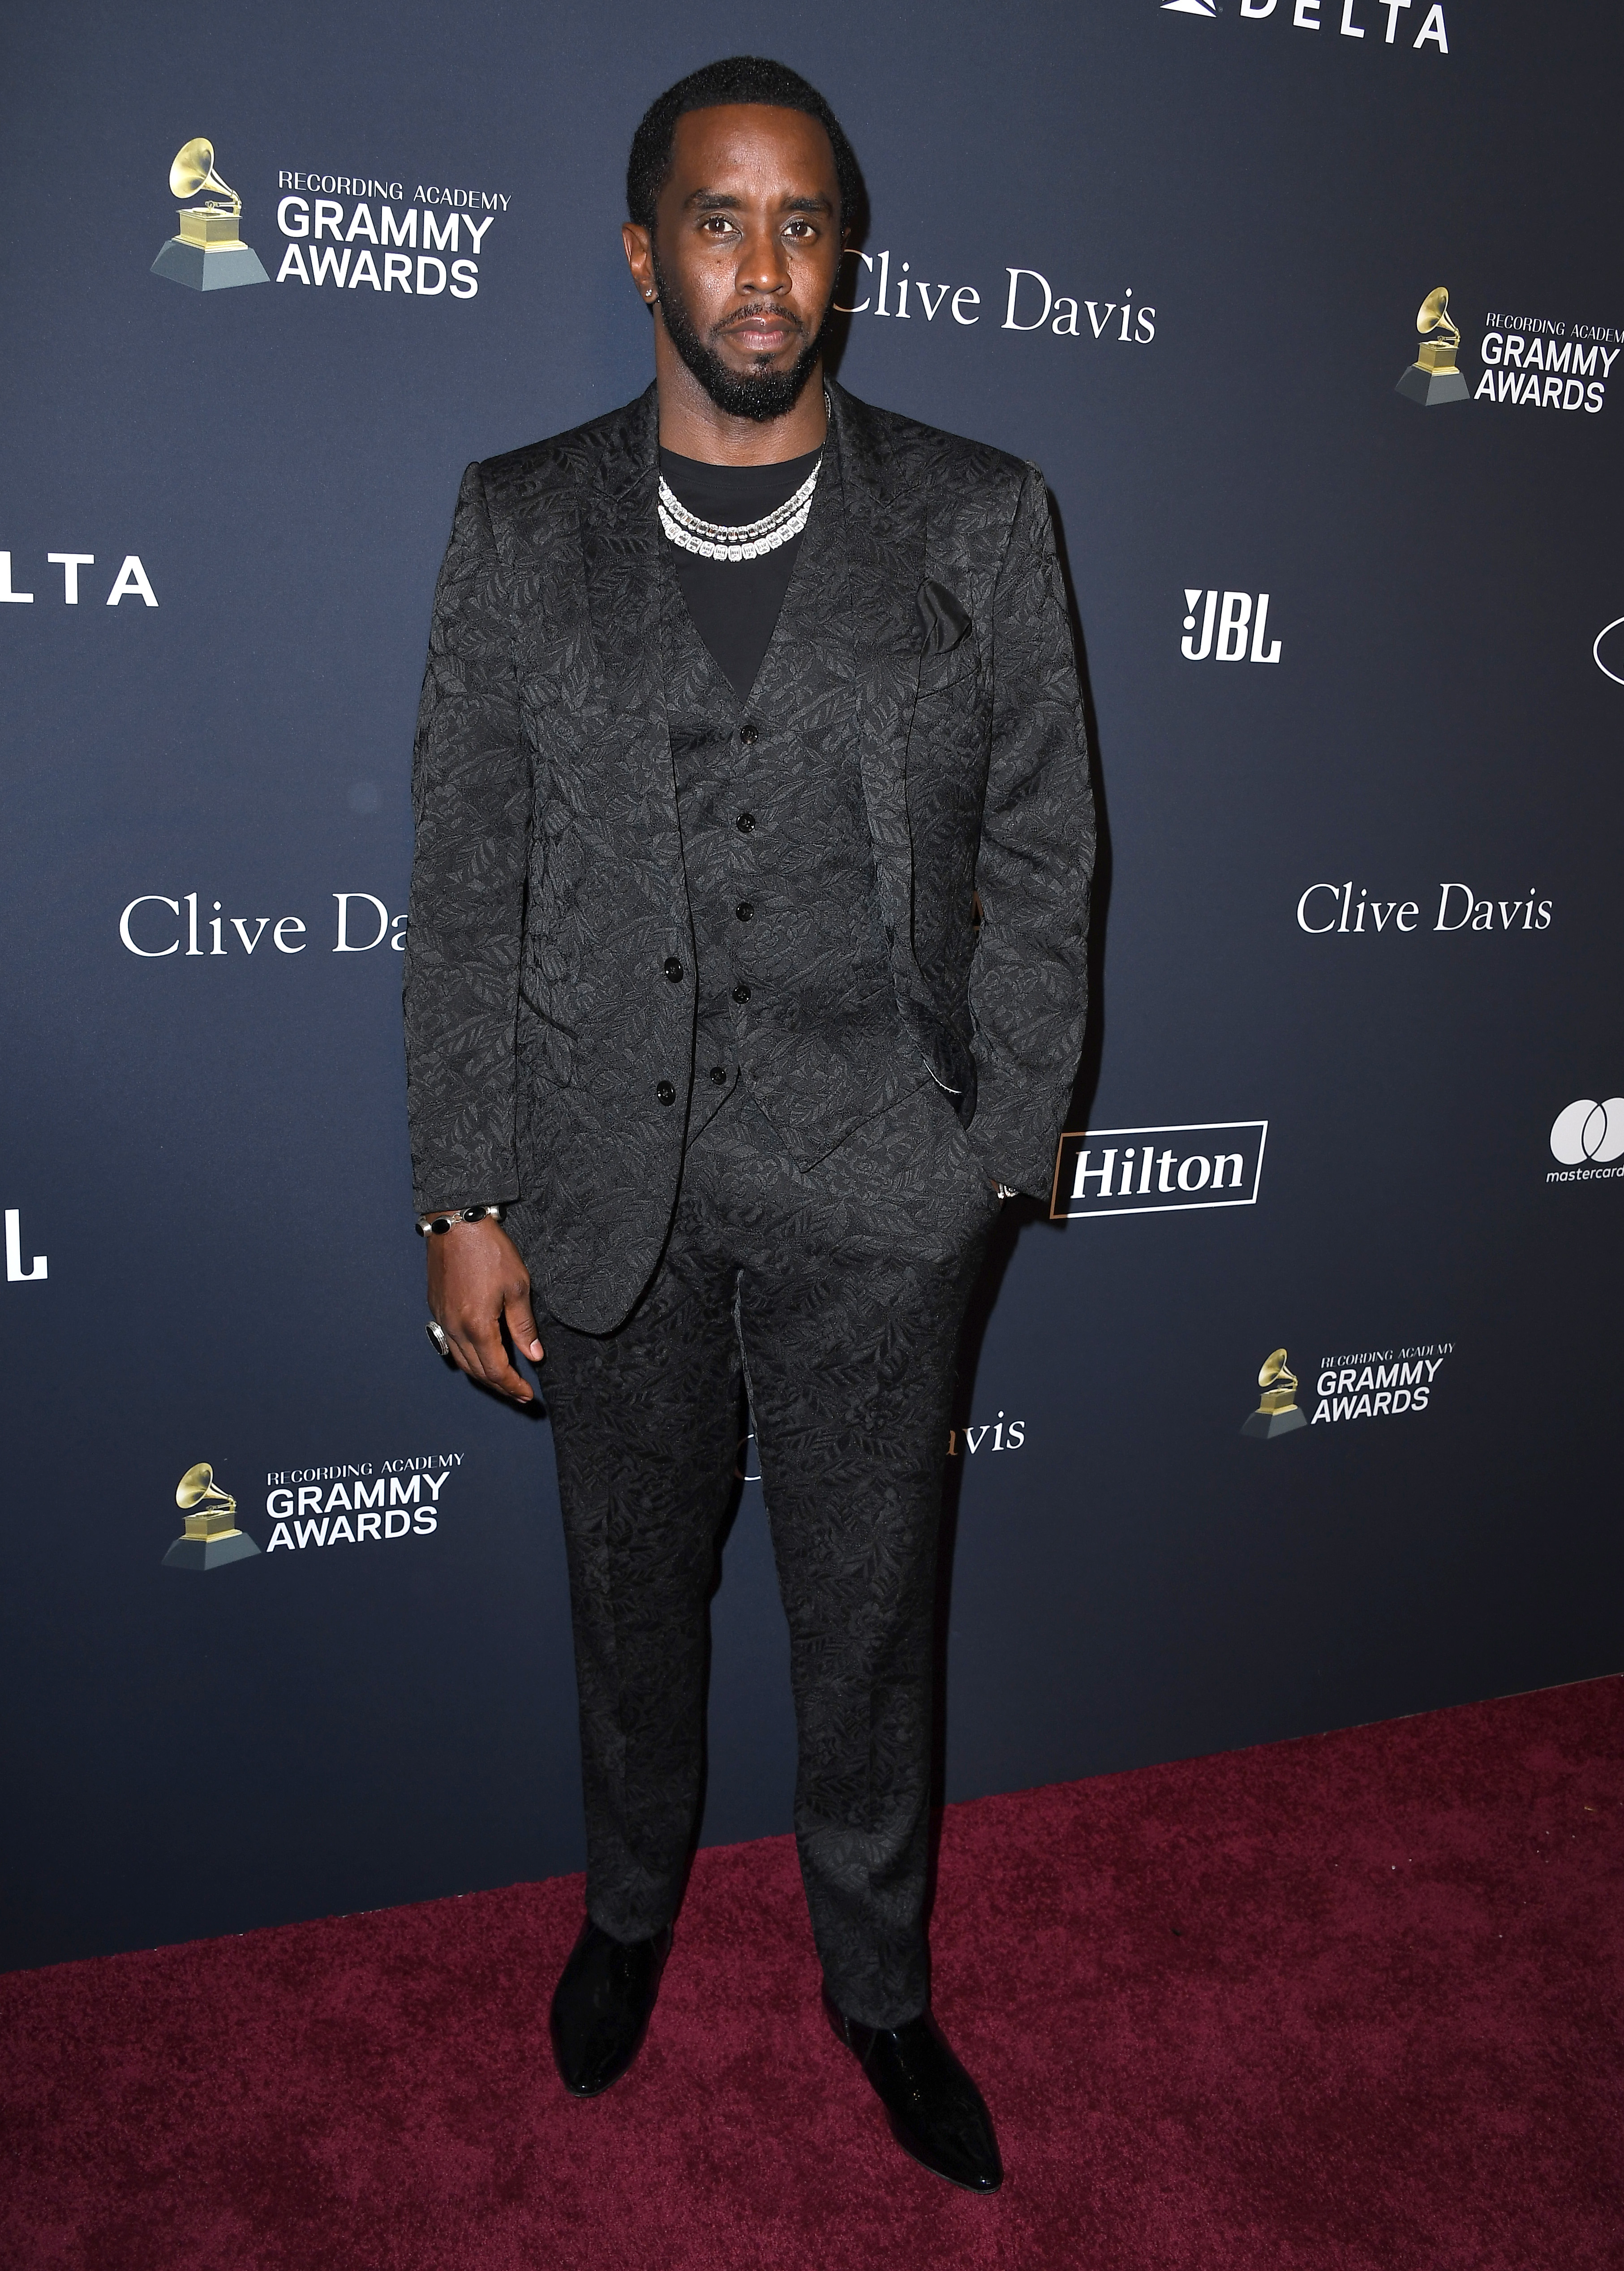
[
  {"x": 748, "y": 735},
  {"x": 744, "y": 910},
  {"x": 741, "y": 992},
  {"x": 717, "y": 1076},
  {"x": 666, "y": 1092},
  {"x": 674, "y": 969},
  {"x": 745, "y": 823}
]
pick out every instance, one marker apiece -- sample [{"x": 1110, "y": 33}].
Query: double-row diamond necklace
[{"x": 715, "y": 539}]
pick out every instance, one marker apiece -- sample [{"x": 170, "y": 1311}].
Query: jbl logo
[{"x": 1232, "y": 622}]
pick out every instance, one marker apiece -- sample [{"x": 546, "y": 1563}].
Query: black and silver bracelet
[{"x": 437, "y": 1225}]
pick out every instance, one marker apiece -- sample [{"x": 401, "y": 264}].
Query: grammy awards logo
[
  {"x": 1277, "y": 1413},
  {"x": 209, "y": 254},
  {"x": 1432, "y": 378},
  {"x": 211, "y": 1537}
]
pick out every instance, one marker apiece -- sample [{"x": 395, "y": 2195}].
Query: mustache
[{"x": 780, "y": 315}]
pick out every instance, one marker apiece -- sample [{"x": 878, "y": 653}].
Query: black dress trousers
[{"x": 837, "y": 1296}]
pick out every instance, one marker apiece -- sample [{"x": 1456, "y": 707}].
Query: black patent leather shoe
[
  {"x": 936, "y": 2112},
  {"x": 601, "y": 2007}
]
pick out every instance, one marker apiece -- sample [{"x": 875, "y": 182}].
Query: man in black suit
[{"x": 742, "y": 703}]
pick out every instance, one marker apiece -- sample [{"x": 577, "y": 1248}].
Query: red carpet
[{"x": 1351, "y": 2004}]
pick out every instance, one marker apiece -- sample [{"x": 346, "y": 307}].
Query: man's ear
[{"x": 639, "y": 256}]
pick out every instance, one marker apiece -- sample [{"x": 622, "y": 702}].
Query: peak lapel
[
  {"x": 885, "y": 522},
  {"x": 620, "y": 725},
  {"x": 620, "y": 538}
]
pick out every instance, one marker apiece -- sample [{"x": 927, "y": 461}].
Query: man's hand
[{"x": 477, "y": 1284}]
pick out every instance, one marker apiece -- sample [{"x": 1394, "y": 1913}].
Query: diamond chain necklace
[{"x": 731, "y": 540}]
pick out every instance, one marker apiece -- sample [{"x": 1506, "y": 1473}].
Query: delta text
[
  {"x": 1357, "y": 18},
  {"x": 131, "y": 582}
]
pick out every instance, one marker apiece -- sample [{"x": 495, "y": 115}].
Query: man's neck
[{"x": 691, "y": 424}]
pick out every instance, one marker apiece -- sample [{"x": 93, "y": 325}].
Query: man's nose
[{"x": 762, "y": 265}]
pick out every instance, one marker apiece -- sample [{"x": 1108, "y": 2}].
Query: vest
[{"x": 795, "y": 991}]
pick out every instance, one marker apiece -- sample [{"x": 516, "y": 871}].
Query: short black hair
[{"x": 736, "y": 78}]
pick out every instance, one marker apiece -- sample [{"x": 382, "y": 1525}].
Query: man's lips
[{"x": 762, "y": 334}]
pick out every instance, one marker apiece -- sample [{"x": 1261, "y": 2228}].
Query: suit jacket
[{"x": 548, "y": 887}]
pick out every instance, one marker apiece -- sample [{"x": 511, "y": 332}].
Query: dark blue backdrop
[{"x": 212, "y": 1162}]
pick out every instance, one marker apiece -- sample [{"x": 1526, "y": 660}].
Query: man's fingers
[
  {"x": 461, "y": 1352},
  {"x": 490, "y": 1363},
  {"x": 476, "y": 1283},
  {"x": 521, "y": 1325}
]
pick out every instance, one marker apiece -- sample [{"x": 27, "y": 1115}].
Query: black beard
[{"x": 760, "y": 395}]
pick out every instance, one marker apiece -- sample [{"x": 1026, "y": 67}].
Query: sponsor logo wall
[{"x": 1360, "y": 918}]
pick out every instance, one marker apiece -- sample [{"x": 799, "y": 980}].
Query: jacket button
[
  {"x": 666, "y": 1092},
  {"x": 674, "y": 969},
  {"x": 745, "y": 822},
  {"x": 748, "y": 735},
  {"x": 744, "y": 910},
  {"x": 741, "y": 992},
  {"x": 717, "y": 1076}
]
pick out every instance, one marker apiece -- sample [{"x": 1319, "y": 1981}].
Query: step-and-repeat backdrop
[{"x": 1290, "y": 1408}]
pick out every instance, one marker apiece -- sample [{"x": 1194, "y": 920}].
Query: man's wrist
[{"x": 439, "y": 1220}]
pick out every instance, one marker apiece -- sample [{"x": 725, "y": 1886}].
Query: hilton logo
[{"x": 1142, "y": 1171}]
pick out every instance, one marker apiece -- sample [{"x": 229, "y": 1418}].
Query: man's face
[{"x": 745, "y": 252}]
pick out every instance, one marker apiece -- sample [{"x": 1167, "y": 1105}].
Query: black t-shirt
[{"x": 735, "y": 603}]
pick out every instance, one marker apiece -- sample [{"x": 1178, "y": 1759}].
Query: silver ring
[{"x": 438, "y": 1335}]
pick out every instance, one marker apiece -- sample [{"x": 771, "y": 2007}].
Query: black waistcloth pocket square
[{"x": 942, "y": 621}]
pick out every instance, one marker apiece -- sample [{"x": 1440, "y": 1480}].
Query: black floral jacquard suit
[
  {"x": 805, "y": 1222},
  {"x": 548, "y": 887}
]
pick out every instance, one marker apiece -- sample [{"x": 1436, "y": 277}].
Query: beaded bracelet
[{"x": 439, "y": 1223}]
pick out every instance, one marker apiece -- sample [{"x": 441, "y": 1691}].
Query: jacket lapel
[
  {"x": 622, "y": 718},
  {"x": 885, "y": 538},
  {"x": 620, "y": 538}
]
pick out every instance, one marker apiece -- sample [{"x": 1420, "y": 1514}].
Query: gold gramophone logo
[
  {"x": 209, "y": 254},
  {"x": 1277, "y": 1412},
  {"x": 211, "y": 1537},
  {"x": 1432, "y": 378}
]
